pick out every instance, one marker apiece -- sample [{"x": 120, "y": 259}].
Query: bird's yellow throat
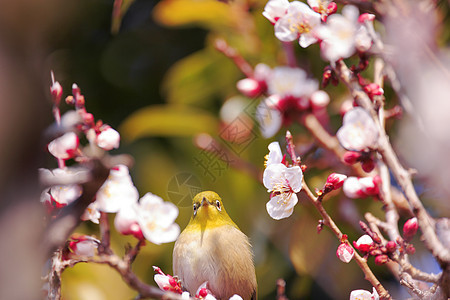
[{"x": 208, "y": 212}]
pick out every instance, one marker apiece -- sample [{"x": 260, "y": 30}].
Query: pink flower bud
[
  {"x": 319, "y": 99},
  {"x": 108, "y": 139},
  {"x": 366, "y": 17},
  {"x": 345, "y": 252},
  {"x": 351, "y": 157},
  {"x": 381, "y": 259},
  {"x": 56, "y": 92},
  {"x": 167, "y": 283},
  {"x": 368, "y": 165},
  {"x": 336, "y": 180},
  {"x": 364, "y": 243},
  {"x": 410, "y": 229},
  {"x": 373, "y": 89},
  {"x": 65, "y": 146},
  {"x": 391, "y": 246},
  {"x": 249, "y": 87},
  {"x": 410, "y": 249},
  {"x": 331, "y": 8}
]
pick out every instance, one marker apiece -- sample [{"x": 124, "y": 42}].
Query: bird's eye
[
  {"x": 218, "y": 205},
  {"x": 195, "y": 209}
]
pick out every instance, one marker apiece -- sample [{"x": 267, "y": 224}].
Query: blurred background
[{"x": 152, "y": 73}]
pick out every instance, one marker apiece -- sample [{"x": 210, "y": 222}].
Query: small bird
[{"x": 212, "y": 248}]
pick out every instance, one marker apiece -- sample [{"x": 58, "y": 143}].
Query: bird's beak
[{"x": 205, "y": 202}]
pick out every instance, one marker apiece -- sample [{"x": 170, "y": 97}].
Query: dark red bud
[
  {"x": 351, "y": 157},
  {"x": 368, "y": 165}
]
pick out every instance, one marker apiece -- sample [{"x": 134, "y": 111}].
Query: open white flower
[
  {"x": 283, "y": 183},
  {"x": 269, "y": 117},
  {"x": 61, "y": 194},
  {"x": 364, "y": 295},
  {"x": 291, "y": 82},
  {"x": 339, "y": 34},
  {"x": 300, "y": 22},
  {"x": 126, "y": 221},
  {"x": 275, "y": 9},
  {"x": 117, "y": 191},
  {"x": 156, "y": 219},
  {"x": 358, "y": 132}
]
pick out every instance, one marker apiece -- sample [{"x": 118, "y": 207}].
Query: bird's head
[{"x": 208, "y": 210}]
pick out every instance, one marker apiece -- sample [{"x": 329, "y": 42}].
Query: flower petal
[
  {"x": 281, "y": 206},
  {"x": 275, "y": 154},
  {"x": 274, "y": 175},
  {"x": 294, "y": 177}
]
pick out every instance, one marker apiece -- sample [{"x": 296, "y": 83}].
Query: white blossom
[
  {"x": 65, "y": 146},
  {"x": 156, "y": 219},
  {"x": 84, "y": 246},
  {"x": 117, "y": 191},
  {"x": 359, "y": 131},
  {"x": 352, "y": 188},
  {"x": 364, "y": 295},
  {"x": 283, "y": 183},
  {"x": 340, "y": 35},
  {"x": 269, "y": 118},
  {"x": 275, "y": 9},
  {"x": 61, "y": 194},
  {"x": 126, "y": 221},
  {"x": 108, "y": 139},
  {"x": 91, "y": 213},
  {"x": 275, "y": 155},
  {"x": 300, "y": 21},
  {"x": 291, "y": 82}
]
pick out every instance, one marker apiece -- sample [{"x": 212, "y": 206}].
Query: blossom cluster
[
  {"x": 167, "y": 282},
  {"x": 289, "y": 91},
  {"x": 339, "y": 35},
  {"x": 148, "y": 217}
]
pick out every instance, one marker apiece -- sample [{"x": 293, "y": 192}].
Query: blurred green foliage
[{"x": 160, "y": 81}]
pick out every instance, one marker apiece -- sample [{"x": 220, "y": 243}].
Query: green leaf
[
  {"x": 168, "y": 120},
  {"x": 206, "y": 13},
  {"x": 199, "y": 77}
]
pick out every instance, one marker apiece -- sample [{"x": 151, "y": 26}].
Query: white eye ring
[
  {"x": 195, "y": 209},
  {"x": 218, "y": 205}
]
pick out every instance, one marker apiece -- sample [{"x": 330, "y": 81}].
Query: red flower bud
[
  {"x": 410, "y": 229},
  {"x": 345, "y": 252},
  {"x": 368, "y": 165},
  {"x": 351, "y": 157},
  {"x": 373, "y": 89},
  {"x": 391, "y": 246},
  {"x": 381, "y": 259},
  {"x": 336, "y": 180},
  {"x": 410, "y": 249},
  {"x": 332, "y": 8},
  {"x": 366, "y": 17}
]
